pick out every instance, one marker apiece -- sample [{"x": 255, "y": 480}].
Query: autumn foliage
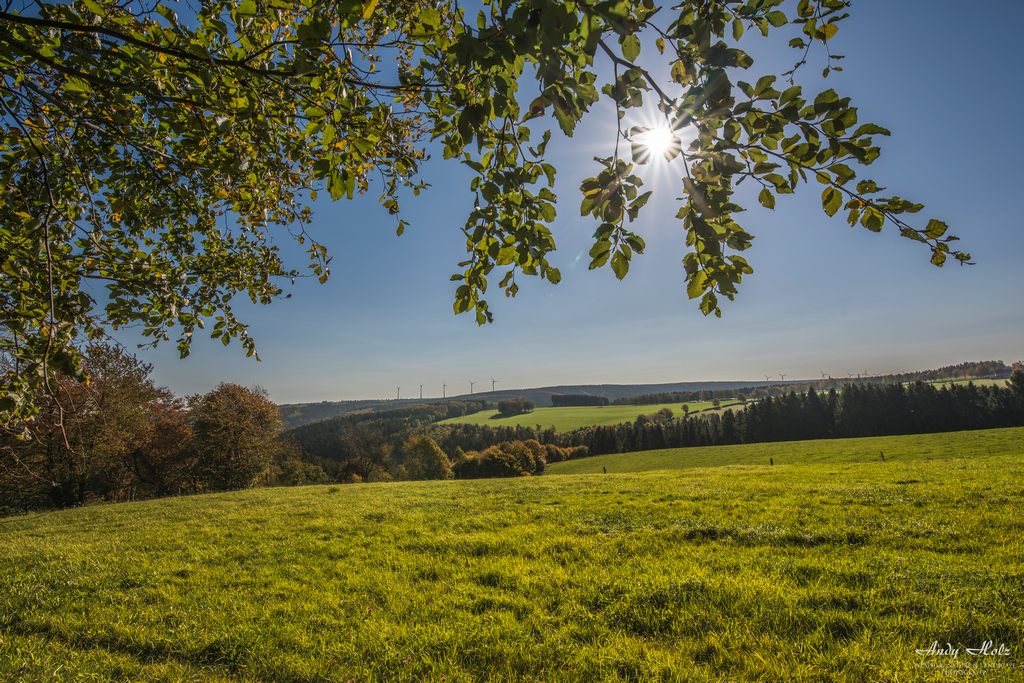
[{"x": 119, "y": 437}]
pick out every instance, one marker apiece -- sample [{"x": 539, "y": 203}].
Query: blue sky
[{"x": 824, "y": 297}]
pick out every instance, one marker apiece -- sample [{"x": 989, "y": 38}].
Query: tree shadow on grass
[{"x": 226, "y": 654}]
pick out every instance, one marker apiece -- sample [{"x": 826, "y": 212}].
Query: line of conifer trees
[{"x": 857, "y": 410}]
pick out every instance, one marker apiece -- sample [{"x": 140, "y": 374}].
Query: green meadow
[
  {"x": 977, "y": 382},
  {"x": 987, "y": 442},
  {"x": 576, "y": 417},
  {"x": 824, "y": 569}
]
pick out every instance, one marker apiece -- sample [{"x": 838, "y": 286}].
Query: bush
[
  {"x": 424, "y": 459},
  {"x": 515, "y": 406},
  {"x": 555, "y": 454},
  {"x": 378, "y": 474},
  {"x": 507, "y": 459}
]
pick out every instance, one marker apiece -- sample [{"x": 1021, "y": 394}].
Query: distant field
[
  {"x": 976, "y": 382},
  {"x": 833, "y": 572},
  {"x": 568, "y": 419},
  {"x": 870, "y": 449}
]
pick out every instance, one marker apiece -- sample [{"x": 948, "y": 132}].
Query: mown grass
[
  {"x": 576, "y": 417},
  {"x": 827, "y": 571},
  {"x": 869, "y": 449}
]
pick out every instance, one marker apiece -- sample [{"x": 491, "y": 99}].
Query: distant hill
[{"x": 296, "y": 414}]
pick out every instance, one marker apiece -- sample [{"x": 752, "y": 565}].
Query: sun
[{"x": 659, "y": 141}]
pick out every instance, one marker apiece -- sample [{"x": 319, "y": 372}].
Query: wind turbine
[
  {"x": 421, "y": 392},
  {"x": 783, "y": 377},
  {"x": 767, "y": 378},
  {"x": 399, "y": 393},
  {"x": 822, "y": 374},
  {"x": 444, "y": 388},
  {"x": 493, "y": 382},
  {"x": 471, "y": 387}
]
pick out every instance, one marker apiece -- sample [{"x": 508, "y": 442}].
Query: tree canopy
[{"x": 158, "y": 156}]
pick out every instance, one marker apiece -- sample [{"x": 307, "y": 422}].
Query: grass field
[
  {"x": 895, "y": 448},
  {"x": 976, "y": 382},
  {"x": 568, "y": 419},
  {"x": 822, "y": 571}
]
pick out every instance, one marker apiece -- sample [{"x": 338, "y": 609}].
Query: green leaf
[
  {"x": 789, "y": 95},
  {"x": 766, "y": 198},
  {"x": 95, "y": 7},
  {"x": 620, "y": 265},
  {"x": 826, "y": 32},
  {"x": 872, "y": 220},
  {"x": 842, "y": 172},
  {"x": 763, "y": 84},
  {"x": 824, "y": 101},
  {"x": 77, "y": 85},
  {"x": 631, "y": 47},
  {"x": 695, "y": 287},
  {"x": 870, "y": 129},
  {"x": 935, "y": 229},
  {"x": 674, "y": 148},
  {"x": 737, "y": 29},
  {"x": 732, "y": 131},
  {"x": 599, "y": 254},
  {"x": 912, "y": 234},
  {"x": 831, "y": 200},
  {"x": 428, "y": 16},
  {"x": 777, "y": 19}
]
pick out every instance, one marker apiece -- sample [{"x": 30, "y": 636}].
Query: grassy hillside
[
  {"x": 870, "y": 449},
  {"x": 568, "y": 419},
  {"x": 831, "y": 571}
]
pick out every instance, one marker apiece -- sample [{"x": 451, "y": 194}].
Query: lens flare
[{"x": 658, "y": 141}]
